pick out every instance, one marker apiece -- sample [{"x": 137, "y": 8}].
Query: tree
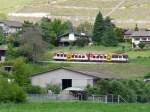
[
  {"x": 21, "y": 73},
  {"x": 81, "y": 42},
  {"x": 119, "y": 34},
  {"x": 52, "y": 29},
  {"x": 141, "y": 45},
  {"x": 136, "y": 27},
  {"x": 32, "y": 45},
  {"x": 109, "y": 38},
  {"x": 2, "y": 37},
  {"x": 86, "y": 28},
  {"x": 99, "y": 28}
]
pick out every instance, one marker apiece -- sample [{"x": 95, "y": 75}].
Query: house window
[
  {"x": 144, "y": 39},
  {"x": 137, "y": 39}
]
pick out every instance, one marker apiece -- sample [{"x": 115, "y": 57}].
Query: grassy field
[
  {"x": 137, "y": 68},
  {"x": 74, "y": 107}
]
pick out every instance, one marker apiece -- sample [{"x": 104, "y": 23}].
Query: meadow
[
  {"x": 137, "y": 67},
  {"x": 73, "y": 107}
]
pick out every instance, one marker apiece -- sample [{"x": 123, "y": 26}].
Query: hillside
[{"x": 125, "y": 13}]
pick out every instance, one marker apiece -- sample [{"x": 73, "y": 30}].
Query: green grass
[
  {"x": 137, "y": 68},
  {"x": 74, "y": 107}
]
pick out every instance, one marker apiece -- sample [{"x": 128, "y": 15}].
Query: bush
[
  {"x": 130, "y": 90},
  {"x": 54, "y": 88},
  {"x": 141, "y": 45},
  {"x": 11, "y": 92},
  {"x": 36, "y": 90},
  {"x": 81, "y": 42}
]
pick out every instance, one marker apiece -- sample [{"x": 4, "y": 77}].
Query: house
[
  {"x": 69, "y": 38},
  {"x": 127, "y": 34},
  {"x": 10, "y": 26},
  {"x": 141, "y": 36},
  {"x": 69, "y": 77}
]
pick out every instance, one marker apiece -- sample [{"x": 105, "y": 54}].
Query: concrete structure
[
  {"x": 10, "y": 27},
  {"x": 66, "y": 77}
]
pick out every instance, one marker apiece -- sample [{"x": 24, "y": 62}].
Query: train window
[
  {"x": 61, "y": 55},
  {"x": 72, "y": 56},
  {"x": 97, "y": 57},
  {"x": 93, "y": 56},
  {"x": 79, "y": 56},
  {"x": 125, "y": 57},
  {"x": 76, "y": 56},
  {"x": 57, "y": 55},
  {"x": 120, "y": 56},
  {"x": 65, "y": 55},
  {"x": 114, "y": 56},
  {"x": 101, "y": 56},
  {"x": 104, "y": 57},
  {"x": 83, "y": 56}
]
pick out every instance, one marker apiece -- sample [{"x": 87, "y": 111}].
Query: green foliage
[
  {"x": 54, "y": 88},
  {"x": 28, "y": 24},
  {"x": 2, "y": 38},
  {"x": 11, "y": 92},
  {"x": 52, "y": 29},
  {"x": 130, "y": 90},
  {"x": 99, "y": 28},
  {"x": 109, "y": 37},
  {"x": 86, "y": 28},
  {"x": 21, "y": 73},
  {"x": 120, "y": 34},
  {"x": 81, "y": 42},
  {"x": 36, "y": 90},
  {"x": 104, "y": 31},
  {"x": 141, "y": 45},
  {"x": 32, "y": 45}
]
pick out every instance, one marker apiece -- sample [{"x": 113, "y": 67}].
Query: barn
[{"x": 68, "y": 77}]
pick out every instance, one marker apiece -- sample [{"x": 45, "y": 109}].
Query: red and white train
[{"x": 91, "y": 57}]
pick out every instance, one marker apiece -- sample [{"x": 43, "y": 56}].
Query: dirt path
[{"x": 115, "y": 8}]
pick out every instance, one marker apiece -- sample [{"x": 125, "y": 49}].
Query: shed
[{"x": 68, "y": 77}]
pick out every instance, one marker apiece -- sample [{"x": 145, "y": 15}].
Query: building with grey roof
[
  {"x": 9, "y": 27},
  {"x": 69, "y": 77}
]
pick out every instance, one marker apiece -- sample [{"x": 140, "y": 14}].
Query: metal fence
[{"x": 62, "y": 97}]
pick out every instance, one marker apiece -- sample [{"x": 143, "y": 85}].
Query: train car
[
  {"x": 109, "y": 57},
  {"x": 91, "y": 57}
]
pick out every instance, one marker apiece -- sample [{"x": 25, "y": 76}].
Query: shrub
[
  {"x": 130, "y": 90},
  {"x": 36, "y": 90},
  {"x": 54, "y": 88},
  {"x": 81, "y": 42},
  {"x": 11, "y": 92},
  {"x": 141, "y": 45}
]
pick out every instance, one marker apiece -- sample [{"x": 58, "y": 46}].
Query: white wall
[{"x": 55, "y": 77}]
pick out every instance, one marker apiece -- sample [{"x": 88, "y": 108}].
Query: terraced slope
[{"x": 125, "y": 13}]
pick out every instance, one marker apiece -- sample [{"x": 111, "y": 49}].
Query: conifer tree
[{"x": 99, "y": 28}]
